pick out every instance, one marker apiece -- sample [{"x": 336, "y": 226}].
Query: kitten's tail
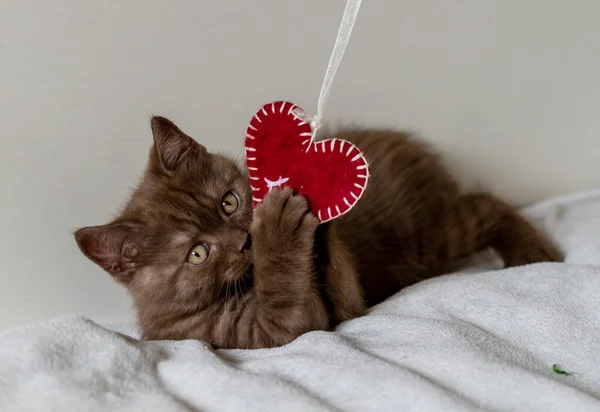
[{"x": 483, "y": 221}]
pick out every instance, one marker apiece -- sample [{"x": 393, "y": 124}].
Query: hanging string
[{"x": 339, "y": 48}]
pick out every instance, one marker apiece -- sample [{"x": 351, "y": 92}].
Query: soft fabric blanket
[{"x": 478, "y": 340}]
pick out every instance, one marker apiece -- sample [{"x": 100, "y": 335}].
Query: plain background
[{"x": 508, "y": 89}]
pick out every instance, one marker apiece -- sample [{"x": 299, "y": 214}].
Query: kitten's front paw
[{"x": 284, "y": 222}]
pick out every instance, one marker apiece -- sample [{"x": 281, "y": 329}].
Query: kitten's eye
[
  {"x": 229, "y": 203},
  {"x": 198, "y": 255}
]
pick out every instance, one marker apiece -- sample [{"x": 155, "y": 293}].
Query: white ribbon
[{"x": 339, "y": 48}]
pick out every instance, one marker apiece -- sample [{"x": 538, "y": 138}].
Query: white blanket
[{"x": 465, "y": 342}]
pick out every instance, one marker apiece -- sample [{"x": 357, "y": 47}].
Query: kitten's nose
[{"x": 238, "y": 240}]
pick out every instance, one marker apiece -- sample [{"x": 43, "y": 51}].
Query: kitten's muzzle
[{"x": 237, "y": 240}]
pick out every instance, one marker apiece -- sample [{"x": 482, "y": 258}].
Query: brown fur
[{"x": 295, "y": 275}]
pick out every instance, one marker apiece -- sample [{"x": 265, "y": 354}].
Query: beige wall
[{"x": 510, "y": 88}]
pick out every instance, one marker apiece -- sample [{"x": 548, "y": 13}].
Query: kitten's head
[{"x": 184, "y": 234}]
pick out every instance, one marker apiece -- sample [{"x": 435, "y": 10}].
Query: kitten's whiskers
[{"x": 238, "y": 282}]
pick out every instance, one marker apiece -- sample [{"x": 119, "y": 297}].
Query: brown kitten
[{"x": 182, "y": 245}]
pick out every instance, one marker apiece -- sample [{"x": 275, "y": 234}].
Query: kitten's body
[{"x": 296, "y": 276}]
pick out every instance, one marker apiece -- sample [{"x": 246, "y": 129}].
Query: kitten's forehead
[
  {"x": 210, "y": 176},
  {"x": 188, "y": 200},
  {"x": 223, "y": 169},
  {"x": 180, "y": 238}
]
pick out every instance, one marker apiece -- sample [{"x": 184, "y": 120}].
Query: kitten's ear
[
  {"x": 115, "y": 247},
  {"x": 174, "y": 148}
]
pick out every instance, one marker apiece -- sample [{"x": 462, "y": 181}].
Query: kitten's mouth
[
  {"x": 248, "y": 245},
  {"x": 241, "y": 269}
]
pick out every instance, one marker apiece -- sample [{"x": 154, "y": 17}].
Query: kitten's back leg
[{"x": 493, "y": 223}]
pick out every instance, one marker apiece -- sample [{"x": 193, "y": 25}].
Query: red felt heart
[{"x": 332, "y": 174}]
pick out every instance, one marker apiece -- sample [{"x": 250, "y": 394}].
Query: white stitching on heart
[
  {"x": 276, "y": 183},
  {"x": 299, "y": 115}
]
